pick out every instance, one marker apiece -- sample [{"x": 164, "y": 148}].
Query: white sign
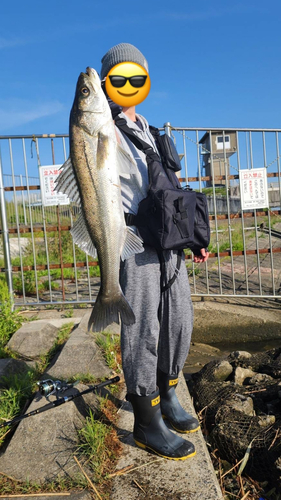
[
  {"x": 253, "y": 188},
  {"x": 48, "y": 176}
]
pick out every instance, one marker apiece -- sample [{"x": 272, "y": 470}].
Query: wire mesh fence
[{"x": 42, "y": 265}]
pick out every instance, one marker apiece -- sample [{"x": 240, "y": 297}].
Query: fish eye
[{"x": 85, "y": 91}]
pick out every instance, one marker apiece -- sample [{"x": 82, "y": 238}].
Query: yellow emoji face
[{"x": 127, "y": 84}]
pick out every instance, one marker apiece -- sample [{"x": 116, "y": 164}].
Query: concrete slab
[
  {"x": 59, "y": 322},
  {"x": 80, "y": 355},
  {"x": 43, "y": 445},
  {"x": 156, "y": 478},
  {"x": 33, "y": 339},
  {"x": 215, "y": 322}
]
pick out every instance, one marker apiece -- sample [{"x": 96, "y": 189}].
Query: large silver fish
[{"x": 90, "y": 177}]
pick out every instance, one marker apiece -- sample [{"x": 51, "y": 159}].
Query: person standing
[{"x": 155, "y": 347}]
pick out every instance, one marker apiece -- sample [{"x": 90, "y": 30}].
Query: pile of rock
[{"x": 240, "y": 400}]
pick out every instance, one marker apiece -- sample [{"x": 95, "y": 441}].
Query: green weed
[
  {"x": 46, "y": 286},
  {"x": 10, "y": 321},
  {"x": 209, "y": 191},
  {"x": 29, "y": 283},
  {"x": 16, "y": 390},
  {"x": 84, "y": 378},
  {"x": 9, "y": 486},
  {"x": 68, "y": 313},
  {"x": 99, "y": 444},
  {"x": 190, "y": 270},
  {"x": 94, "y": 271},
  {"x": 110, "y": 346}
]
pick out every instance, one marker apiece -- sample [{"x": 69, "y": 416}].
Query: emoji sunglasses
[{"x": 119, "y": 81}]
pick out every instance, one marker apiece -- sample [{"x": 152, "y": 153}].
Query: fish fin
[
  {"x": 81, "y": 237},
  {"x": 132, "y": 244},
  {"x": 107, "y": 311},
  {"x": 66, "y": 182},
  {"x": 126, "y": 164}
]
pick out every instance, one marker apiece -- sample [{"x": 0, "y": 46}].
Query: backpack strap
[
  {"x": 139, "y": 143},
  {"x": 166, "y": 286}
]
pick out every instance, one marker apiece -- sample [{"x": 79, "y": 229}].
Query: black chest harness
[{"x": 169, "y": 218}]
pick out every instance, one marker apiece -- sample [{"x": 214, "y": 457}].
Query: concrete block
[
  {"x": 43, "y": 445},
  {"x": 10, "y": 366},
  {"x": 33, "y": 339},
  {"x": 80, "y": 355}
]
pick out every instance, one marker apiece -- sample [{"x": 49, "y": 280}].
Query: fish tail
[{"x": 107, "y": 311}]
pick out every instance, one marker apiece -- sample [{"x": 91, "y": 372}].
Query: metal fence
[{"x": 42, "y": 265}]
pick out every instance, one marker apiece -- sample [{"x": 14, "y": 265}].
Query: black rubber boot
[
  {"x": 171, "y": 409},
  {"x": 151, "y": 433}
]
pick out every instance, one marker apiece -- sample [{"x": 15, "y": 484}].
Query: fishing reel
[{"x": 53, "y": 387}]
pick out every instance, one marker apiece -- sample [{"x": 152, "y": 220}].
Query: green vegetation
[
  {"x": 70, "y": 253},
  {"x": 208, "y": 191},
  {"x": 110, "y": 346},
  {"x": 93, "y": 437},
  {"x": 236, "y": 236},
  {"x": 8, "y": 486},
  {"x": 99, "y": 442},
  {"x": 10, "y": 321},
  {"x": 192, "y": 269},
  {"x": 69, "y": 312},
  {"x": 54, "y": 258},
  {"x": 15, "y": 391}
]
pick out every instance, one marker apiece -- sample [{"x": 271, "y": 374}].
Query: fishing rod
[{"x": 50, "y": 387}]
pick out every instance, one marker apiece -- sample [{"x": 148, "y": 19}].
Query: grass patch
[
  {"x": 45, "y": 285},
  {"x": 69, "y": 312},
  {"x": 13, "y": 487},
  {"x": 10, "y": 321},
  {"x": 110, "y": 347},
  {"x": 16, "y": 390},
  {"x": 190, "y": 270},
  {"x": 84, "y": 378},
  {"x": 209, "y": 191},
  {"x": 99, "y": 443}
]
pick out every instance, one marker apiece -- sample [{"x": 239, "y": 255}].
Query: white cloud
[
  {"x": 10, "y": 42},
  {"x": 18, "y": 112}
]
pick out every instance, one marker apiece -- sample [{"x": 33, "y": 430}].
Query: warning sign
[
  {"x": 253, "y": 188},
  {"x": 48, "y": 176}
]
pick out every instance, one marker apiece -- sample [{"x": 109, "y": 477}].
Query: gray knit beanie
[{"x": 122, "y": 52}]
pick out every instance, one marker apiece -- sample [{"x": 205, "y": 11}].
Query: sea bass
[{"x": 90, "y": 177}]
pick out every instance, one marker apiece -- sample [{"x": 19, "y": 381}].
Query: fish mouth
[
  {"x": 127, "y": 95},
  {"x": 90, "y": 72}
]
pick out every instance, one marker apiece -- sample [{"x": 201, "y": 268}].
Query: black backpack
[{"x": 169, "y": 218}]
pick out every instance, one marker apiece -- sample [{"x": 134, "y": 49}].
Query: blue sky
[{"x": 212, "y": 64}]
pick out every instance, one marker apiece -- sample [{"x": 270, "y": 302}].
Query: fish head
[{"x": 90, "y": 108}]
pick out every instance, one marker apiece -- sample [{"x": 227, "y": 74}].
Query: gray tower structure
[{"x": 220, "y": 148}]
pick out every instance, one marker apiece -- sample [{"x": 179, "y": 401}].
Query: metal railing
[{"x": 42, "y": 265}]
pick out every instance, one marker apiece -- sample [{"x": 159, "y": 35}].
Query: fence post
[
  {"x": 168, "y": 128},
  {"x": 5, "y": 234}
]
